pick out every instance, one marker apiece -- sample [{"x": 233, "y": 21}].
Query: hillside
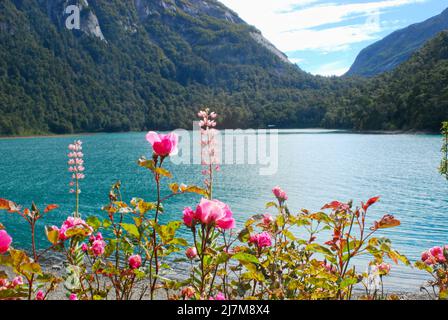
[
  {"x": 398, "y": 47},
  {"x": 140, "y": 64},
  {"x": 414, "y": 96}
]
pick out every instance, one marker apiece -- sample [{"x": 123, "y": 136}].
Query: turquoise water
[{"x": 315, "y": 167}]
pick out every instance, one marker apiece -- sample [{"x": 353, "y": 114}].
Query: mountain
[
  {"x": 398, "y": 47},
  {"x": 141, "y": 64},
  {"x": 414, "y": 96}
]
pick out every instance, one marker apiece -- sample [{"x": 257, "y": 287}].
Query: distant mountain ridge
[
  {"x": 398, "y": 47},
  {"x": 139, "y": 64}
]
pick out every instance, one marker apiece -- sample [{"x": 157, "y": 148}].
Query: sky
[{"x": 324, "y": 37}]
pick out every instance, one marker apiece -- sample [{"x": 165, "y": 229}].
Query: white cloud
[
  {"x": 293, "y": 30},
  {"x": 331, "y": 69}
]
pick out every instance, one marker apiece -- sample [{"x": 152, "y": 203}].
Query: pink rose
[
  {"x": 383, "y": 268},
  {"x": 279, "y": 194},
  {"x": 40, "y": 295},
  {"x": 84, "y": 247},
  {"x": 163, "y": 145},
  {"x": 135, "y": 261},
  {"x": 191, "y": 253},
  {"x": 73, "y": 297},
  {"x": 98, "y": 247},
  {"x": 17, "y": 281},
  {"x": 425, "y": 256},
  {"x": 219, "y": 296},
  {"x": 261, "y": 240},
  {"x": 214, "y": 212},
  {"x": 188, "y": 216},
  {"x": 72, "y": 224},
  {"x": 267, "y": 219},
  {"x": 5, "y": 241}
]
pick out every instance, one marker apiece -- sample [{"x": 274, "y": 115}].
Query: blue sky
[{"x": 324, "y": 37}]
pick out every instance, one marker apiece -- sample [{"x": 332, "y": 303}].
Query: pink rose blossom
[
  {"x": 40, "y": 295},
  {"x": 84, "y": 247},
  {"x": 17, "y": 281},
  {"x": 5, "y": 241},
  {"x": 383, "y": 268},
  {"x": 135, "y": 261},
  {"x": 4, "y": 284},
  {"x": 219, "y": 296},
  {"x": 267, "y": 219},
  {"x": 71, "y": 224},
  {"x": 261, "y": 240},
  {"x": 188, "y": 216},
  {"x": 163, "y": 145},
  {"x": 214, "y": 212},
  {"x": 73, "y": 297},
  {"x": 98, "y": 247},
  {"x": 279, "y": 194},
  {"x": 191, "y": 253}
]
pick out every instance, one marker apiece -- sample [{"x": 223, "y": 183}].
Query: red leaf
[
  {"x": 51, "y": 207},
  {"x": 8, "y": 205},
  {"x": 332, "y": 205},
  {"x": 370, "y": 202},
  {"x": 388, "y": 221}
]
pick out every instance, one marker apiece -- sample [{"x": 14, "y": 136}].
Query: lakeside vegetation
[{"x": 128, "y": 253}]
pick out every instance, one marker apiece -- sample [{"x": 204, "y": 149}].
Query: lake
[{"x": 315, "y": 167}]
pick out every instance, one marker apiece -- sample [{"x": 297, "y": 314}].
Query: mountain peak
[{"x": 397, "y": 47}]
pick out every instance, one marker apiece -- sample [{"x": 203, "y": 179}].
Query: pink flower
[
  {"x": 163, "y": 145},
  {"x": 219, "y": 296},
  {"x": 75, "y": 163},
  {"x": 84, "y": 247},
  {"x": 279, "y": 194},
  {"x": 210, "y": 212},
  {"x": 4, "y": 284},
  {"x": 191, "y": 253},
  {"x": 383, "y": 268},
  {"x": 98, "y": 247},
  {"x": 261, "y": 240},
  {"x": 73, "y": 297},
  {"x": 434, "y": 255},
  {"x": 135, "y": 261},
  {"x": 437, "y": 253},
  {"x": 214, "y": 212},
  {"x": 5, "y": 241},
  {"x": 425, "y": 255},
  {"x": 40, "y": 295},
  {"x": 17, "y": 281},
  {"x": 188, "y": 216},
  {"x": 267, "y": 219},
  {"x": 71, "y": 225}
]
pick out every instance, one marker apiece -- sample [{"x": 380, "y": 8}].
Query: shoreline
[{"x": 350, "y": 131}]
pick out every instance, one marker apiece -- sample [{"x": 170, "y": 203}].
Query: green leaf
[
  {"x": 163, "y": 172},
  {"x": 244, "y": 235},
  {"x": 245, "y": 257},
  {"x": 52, "y": 235},
  {"x": 348, "y": 282},
  {"x": 94, "y": 222},
  {"x": 131, "y": 229},
  {"x": 148, "y": 164},
  {"x": 271, "y": 204}
]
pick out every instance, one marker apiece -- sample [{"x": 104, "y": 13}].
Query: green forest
[{"x": 155, "y": 71}]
